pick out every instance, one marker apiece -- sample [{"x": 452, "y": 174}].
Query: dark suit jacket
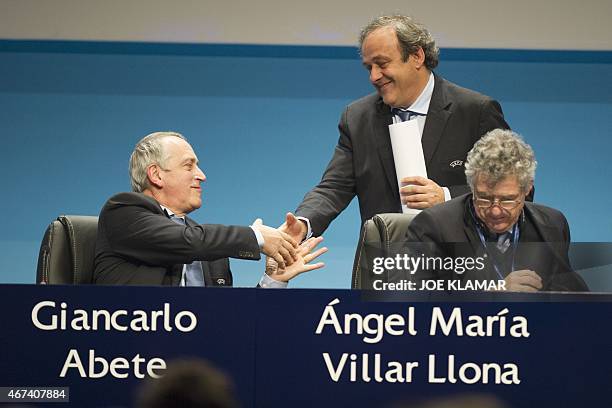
[
  {"x": 449, "y": 230},
  {"x": 363, "y": 164},
  {"x": 138, "y": 244}
]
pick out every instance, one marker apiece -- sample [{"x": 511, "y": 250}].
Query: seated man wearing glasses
[{"x": 492, "y": 234}]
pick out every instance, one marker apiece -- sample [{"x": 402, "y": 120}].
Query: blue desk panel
[{"x": 266, "y": 341}]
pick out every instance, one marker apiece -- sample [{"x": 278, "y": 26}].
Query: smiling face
[
  {"x": 178, "y": 181},
  {"x": 398, "y": 82},
  {"x": 496, "y": 218}
]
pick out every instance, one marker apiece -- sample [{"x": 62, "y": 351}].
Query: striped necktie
[{"x": 503, "y": 242}]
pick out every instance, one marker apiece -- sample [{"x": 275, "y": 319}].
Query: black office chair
[
  {"x": 377, "y": 236},
  {"x": 67, "y": 251}
]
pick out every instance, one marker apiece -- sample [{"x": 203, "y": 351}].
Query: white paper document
[{"x": 407, "y": 153}]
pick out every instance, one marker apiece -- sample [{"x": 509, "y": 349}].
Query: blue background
[{"x": 263, "y": 121}]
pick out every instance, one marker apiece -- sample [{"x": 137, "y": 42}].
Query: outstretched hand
[{"x": 305, "y": 255}]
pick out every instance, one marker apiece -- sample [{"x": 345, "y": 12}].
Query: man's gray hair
[
  {"x": 498, "y": 154},
  {"x": 149, "y": 150},
  {"x": 411, "y": 36}
]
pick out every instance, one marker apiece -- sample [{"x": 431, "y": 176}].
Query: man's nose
[
  {"x": 496, "y": 210},
  {"x": 200, "y": 175},
  {"x": 375, "y": 74}
]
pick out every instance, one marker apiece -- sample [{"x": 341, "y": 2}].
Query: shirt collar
[
  {"x": 421, "y": 104},
  {"x": 170, "y": 213}
]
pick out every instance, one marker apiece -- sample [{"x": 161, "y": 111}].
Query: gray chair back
[
  {"x": 67, "y": 251},
  {"x": 377, "y": 233}
]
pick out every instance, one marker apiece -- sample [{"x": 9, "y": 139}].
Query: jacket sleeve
[
  {"x": 134, "y": 231},
  {"x": 337, "y": 186}
]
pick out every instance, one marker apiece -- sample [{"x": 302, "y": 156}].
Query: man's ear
[
  {"x": 418, "y": 58},
  {"x": 154, "y": 174}
]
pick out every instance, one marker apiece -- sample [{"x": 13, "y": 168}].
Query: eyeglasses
[{"x": 485, "y": 204}]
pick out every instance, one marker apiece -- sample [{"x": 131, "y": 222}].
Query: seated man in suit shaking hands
[{"x": 146, "y": 238}]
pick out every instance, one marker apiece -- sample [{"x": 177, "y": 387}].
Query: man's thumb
[{"x": 290, "y": 219}]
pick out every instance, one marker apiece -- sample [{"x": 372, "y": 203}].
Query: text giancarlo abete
[{"x": 48, "y": 315}]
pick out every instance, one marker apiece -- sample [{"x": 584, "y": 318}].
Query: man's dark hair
[{"x": 411, "y": 36}]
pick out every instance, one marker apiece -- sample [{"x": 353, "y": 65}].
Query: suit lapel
[
  {"x": 550, "y": 239},
  {"x": 382, "y": 120},
  {"x": 547, "y": 234},
  {"x": 469, "y": 228},
  {"x": 437, "y": 115},
  {"x": 175, "y": 272}
]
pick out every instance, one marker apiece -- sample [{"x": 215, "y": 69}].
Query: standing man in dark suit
[
  {"x": 146, "y": 238},
  {"x": 520, "y": 244},
  {"x": 400, "y": 56}
]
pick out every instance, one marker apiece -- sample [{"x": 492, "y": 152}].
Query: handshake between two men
[
  {"x": 285, "y": 257},
  {"x": 146, "y": 238}
]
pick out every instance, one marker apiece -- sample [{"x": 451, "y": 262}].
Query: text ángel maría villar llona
[{"x": 373, "y": 367}]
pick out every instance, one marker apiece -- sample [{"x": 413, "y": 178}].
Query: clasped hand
[
  {"x": 420, "y": 192},
  {"x": 277, "y": 244},
  {"x": 523, "y": 281}
]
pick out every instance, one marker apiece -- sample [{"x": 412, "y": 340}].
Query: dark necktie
[
  {"x": 193, "y": 271},
  {"x": 503, "y": 242},
  {"x": 405, "y": 114}
]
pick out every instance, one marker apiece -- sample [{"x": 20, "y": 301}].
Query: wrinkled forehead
[
  {"x": 177, "y": 149},
  {"x": 383, "y": 40},
  {"x": 505, "y": 186}
]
